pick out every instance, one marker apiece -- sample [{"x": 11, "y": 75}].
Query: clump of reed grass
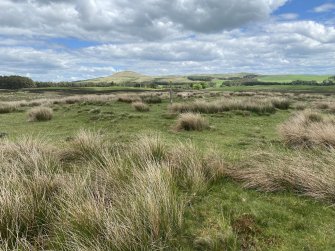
[
  {"x": 8, "y": 107},
  {"x": 140, "y": 107},
  {"x": 151, "y": 99},
  {"x": 191, "y": 122},
  {"x": 308, "y": 129},
  {"x": 40, "y": 114},
  {"x": 253, "y": 105},
  {"x": 309, "y": 174},
  {"x": 128, "y": 98},
  {"x": 281, "y": 103}
]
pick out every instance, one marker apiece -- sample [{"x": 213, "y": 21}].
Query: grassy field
[
  {"x": 218, "y": 209},
  {"x": 290, "y": 78}
]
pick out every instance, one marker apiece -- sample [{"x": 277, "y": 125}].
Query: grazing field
[
  {"x": 236, "y": 168},
  {"x": 290, "y": 78}
]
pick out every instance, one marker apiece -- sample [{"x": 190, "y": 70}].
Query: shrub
[
  {"x": 191, "y": 122},
  {"x": 140, "y": 107},
  {"x": 40, "y": 114}
]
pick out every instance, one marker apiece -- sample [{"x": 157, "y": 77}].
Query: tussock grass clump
[
  {"x": 151, "y": 99},
  {"x": 253, "y": 105},
  {"x": 29, "y": 186},
  {"x": 40, "y": 114},
  {"x": 308, "y": 129},
  {"x": 191, "y": 122},
  {"x": 107, "y": 196},
  {"x": 86, "y": 146},
  {"x": 140, "y": 107},
  {"x": 281, "y": 103},
  {"x": 310, "y": 174},
  {"x": 8, "y": 107},
  {"x": 128, "y": 98}
]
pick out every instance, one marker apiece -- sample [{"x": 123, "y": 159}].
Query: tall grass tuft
[
  {"x": 191, "y": 122},
  {"x": 308, "y": 129},
  {"x": 97, "y": 194},
  {"x": 140, "y": 107},
  {"x": 8, "y": 107},
  {"x": 30, "y": 187},
  {"x": 281, "y": 103},
  {"x": 310, "y": 174},
  {"x": 40, "y": 114},
  {"x": 248, "y": 104}
]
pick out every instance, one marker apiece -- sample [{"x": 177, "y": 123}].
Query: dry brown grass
[
  {"x": 8, "y": 107},
  {"x": 96, "y": 194},
  {"x": 40, "y": 114},
  {"x": 128, "y": 98},
  {"x": 308, "y": 129},
  {"x": 140, "y": 107},
  {"x": 191, "y": 122},
  {"x": 310, "y": 174},
  {"x": 223, "y": 105}
]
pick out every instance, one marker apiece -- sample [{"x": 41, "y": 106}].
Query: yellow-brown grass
[
  {"x": 310, "y": 174},
  {"x": 246, "y": 104},
  {"x": 191, "y": 122},
  {"x": 40, "y": 114},
  {"x": 8, "y": 107},
  {"x": 140, "y": 106},
  {"x": 96, "y": 194},
  {"x": 308, "y": 129}
]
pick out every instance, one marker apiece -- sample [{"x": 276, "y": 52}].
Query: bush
[
  {"x": 191, "y": 122},
  {"x": 140, "y": 107},
  {"x": 40, "y": 114}
]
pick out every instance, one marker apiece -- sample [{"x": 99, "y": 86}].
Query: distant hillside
[
  {"x": 131, "y": 77},
  {"x": 122, "y": 77}
]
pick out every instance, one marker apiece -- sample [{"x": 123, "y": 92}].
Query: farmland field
[
  {"x": 290, "y": 78},
  {"x": 95, "y": 152}
]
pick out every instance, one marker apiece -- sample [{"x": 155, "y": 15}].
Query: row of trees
[
  {"x": 18, "y": 82},
  {"x": 74, "y": 84},
  {"x": 247, "y": 82}
]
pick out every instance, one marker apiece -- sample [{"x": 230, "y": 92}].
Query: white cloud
[
  {"x": 310, "y": 29},
  {"x": 324, "y": 8},
  {"x": 159, "y": 37},
  {"x": 288, "y": 16},
  {"x": 121, "y": 19}
]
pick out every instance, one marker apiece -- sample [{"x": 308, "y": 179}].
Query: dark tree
[{"x": 15, "y": 82}]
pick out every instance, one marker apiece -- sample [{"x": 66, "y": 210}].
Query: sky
[{"x": 66, "y": 40}]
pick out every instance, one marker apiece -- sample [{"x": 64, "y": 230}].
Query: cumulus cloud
[
  {"x": 324, "y": 8},
  {"x": 150, "y": 19},
  {"x": 158, "y": 37}
]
